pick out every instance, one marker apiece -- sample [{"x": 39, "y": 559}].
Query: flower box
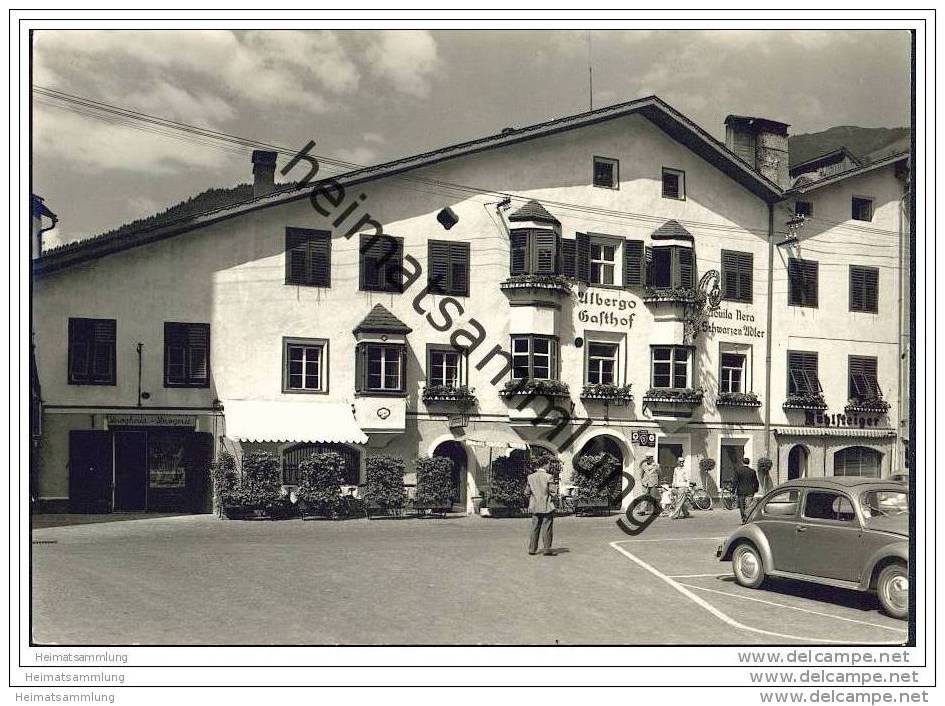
[
  {"x": 687, "y": 397},
  {"x": 875, "y": 406},
  {"x": 555, "y": 283},
  {"x": 675, "y": 295},
  {"x": 737, "y": 399},
  {"x": 537, "y": 388},
  {"x": 610, "y": 393},
  {"x": 447, "y": 394},
  {"x": 809, "y": 402}
]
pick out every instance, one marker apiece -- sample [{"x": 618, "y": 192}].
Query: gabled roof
[
  {"x": 533, "y": 211},
  {"x": 806, "y": 186},
  {"x": 661, "y": 114},
  {"x": 823, "y": 160},
  {"x": 380, "y": 320},
  {"x": 671, "y": 230}
]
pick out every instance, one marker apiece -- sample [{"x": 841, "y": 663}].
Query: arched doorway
[
  {"x": 605, "y": 444},
  {"x": 857, "y": 461},
  {"x": 456, "y": 452},
  {"x": 797, "y": 462}
]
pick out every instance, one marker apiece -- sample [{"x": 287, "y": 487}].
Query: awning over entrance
[
  {"x": 836, "y": 431},
  {"x": 311, "y": 422}
]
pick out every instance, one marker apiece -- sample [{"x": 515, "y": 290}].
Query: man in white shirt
[{"x": 680, "y": 487}]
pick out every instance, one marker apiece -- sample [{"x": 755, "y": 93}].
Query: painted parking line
[
  {"x": 791, "y": 607},
  {"x": 674, "y": 539},
  {"x": 724, "y": 617},
  {"x": 697, "y": 576}
]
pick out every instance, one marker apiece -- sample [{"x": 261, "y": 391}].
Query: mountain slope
[{"x": 862, "y": 141}]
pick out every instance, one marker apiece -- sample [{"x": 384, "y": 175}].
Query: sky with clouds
[{"x": 369, "y": 96}]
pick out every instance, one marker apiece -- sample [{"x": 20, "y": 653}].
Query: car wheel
[
  {"x": 892, "y": 589},
  {"x": 747, "y": 566}
]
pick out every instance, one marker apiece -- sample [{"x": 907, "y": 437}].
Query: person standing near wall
[
  {"x": 746, "y": 485},
  {"x": 680, "y": 489},
  {"x": 650, "y": 478},
  {"x": 540, "y": 491}
]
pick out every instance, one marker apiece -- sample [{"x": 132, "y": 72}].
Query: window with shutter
[
  {"x": 519, "y": 252},
  {"x": 864, "y": 289},
  {"x": 92, "y": 351},
  {"x": 862, "y": 381},
  {"x": 737, "y": 275},
  {"x": 862, "y": 209},
  {"x": 381, "y": 263},
  {"x": 546, "y": 250},
  {"x": 674, "y": 184},
  {"x": 687, "y": 267},
  {"x": 381, "y": 367},
  {"x": 582, "y": 263},
  {"x": 568, "y": 258},
  {"x": 633, "y": 263},
  {"x": 802, "y": 373},
  {"x": 672, "y": 266},
  {"x": 448, "y": 267},
  {"x": 802, "y": 282},
  {"x": 308, "y": 257},
  {"x": 186, "y": 355}
]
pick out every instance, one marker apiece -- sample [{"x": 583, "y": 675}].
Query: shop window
[
  {"x": 186, "y": 355},
  {"x": 381, "y": 263},
  {"x": 305, "y": 365},
  {"x": 606, "y": 172},
  {"x": 295, "y": 454},
  {"x": 381, "y": 368},
  {"x": 602, "y": 363},
  {"x": 857, "y": 461},
  {"x": 670, "y": 367},
  {"x": 864, "y": 289},
  {"x": 166, "y": 458},
  {"x": 802, "y": 282},
  {"x": 732, "y": 373},
  {"x": 448, "y": 267},
  {"x": 804, "y": 208},
  {"x": 92, "y": 351},
  {"x": 674, "y": 184},
  {"x": 802, "y": 373},
  {"x": 534, "y": 357},
  {"x": 862, "y": 209},
  {"x": 671, "y": 267},
  {"x": 862, "y": 384},
  {"x": 307, "y": 257},
  {"x": 737, "y": 275},
  {"x": 444, "y": 367},
  {"x": 604, "y": 256}
]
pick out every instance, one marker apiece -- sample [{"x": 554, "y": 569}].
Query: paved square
[{"x": 466, "y": 580}]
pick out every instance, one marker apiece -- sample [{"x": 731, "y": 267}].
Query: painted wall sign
[
  {"x": 606, "y": 309},
  {"x": 150, "y": 420},
  {"x": 643, "y": 438},
  {"x": 841, "y": 419},
  {"x": 732, "y": 322},
  {"x": 457, "y": 421}
]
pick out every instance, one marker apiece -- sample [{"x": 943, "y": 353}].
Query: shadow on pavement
[
  {"x": 857, "y": 600},
  {"x": 66, "y": 519}
]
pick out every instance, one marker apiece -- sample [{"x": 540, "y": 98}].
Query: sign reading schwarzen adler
[{"x": 732, "y": 322}]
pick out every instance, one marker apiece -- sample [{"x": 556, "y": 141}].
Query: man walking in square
[
  {"x": 746, "y": 485},
  {"x": 540, "y": 490},
  {"x": 650, "y": 479}
]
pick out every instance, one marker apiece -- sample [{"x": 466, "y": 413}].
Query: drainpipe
[
  {"x": 138, "y": 348},
  {"x": 899, "y": 348},
  {"x": 767, "y": 397}
]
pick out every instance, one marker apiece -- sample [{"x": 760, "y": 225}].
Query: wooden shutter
[
  {"x": 438, "y": 266},
  {"x": 583, "y": 260},
  {"x": 403, "y": 368},
  {"x": 382, "y": 263},
  {"x": 687, "y": 267},
  {"x": 863, "y": 382},
  {"x": 546, "y": 250},
  {"x": 519, "y": 252},
  {"x": 648, "y": 265},
  {"x": 92, "y": 351},
  {"x": 320, "y": 260},
  {"x": 806, "y": 364},
  {"x": 633, "y": 263},
  {"x": 864, "y": 289},
  {"x": 360, "y": 367},
  {"x": 459, "y": 269},
  {"x": 568, "y": 256},
  {"x": 737, "y": 275},
  {"x": 802, "y": 282},
  {"x": 308, "y": 257}
]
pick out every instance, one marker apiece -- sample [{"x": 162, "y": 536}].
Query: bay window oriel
[
  {"x": 381, "y": 368},
  {"x": 671, "y": 267},
  {"x": 534, "y": 357},
  {"x": 535, "y": 251}
]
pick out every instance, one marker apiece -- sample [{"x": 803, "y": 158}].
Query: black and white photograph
[{"x": 412, "y": 341}]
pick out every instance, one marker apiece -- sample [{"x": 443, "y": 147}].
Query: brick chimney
[
  {"x": 762, "y": 143},
  {"x": 264, "y": 172}
]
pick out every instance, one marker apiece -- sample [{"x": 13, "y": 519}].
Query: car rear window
[
  {"x": 782, "y": 505},
  {"x": 824, "y": 505}
]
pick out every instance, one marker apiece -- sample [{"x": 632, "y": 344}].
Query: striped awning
[
  {"x": 848, "y": 432},
  {"x": 278, "y": 421}
]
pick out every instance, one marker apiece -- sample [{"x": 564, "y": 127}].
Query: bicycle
[
  {"x": 698, "y": 497},
  {"x": 727, "y": 496}
]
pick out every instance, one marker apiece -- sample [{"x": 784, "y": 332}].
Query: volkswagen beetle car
[{"x": 847, "y": 531}]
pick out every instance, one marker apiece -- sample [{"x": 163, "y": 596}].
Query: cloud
[
  {"x": 178, "y": 103},
  {"x": 373, "y": 137},
  {"x": 404, "y": 59},
  {"x": 357, "y": 155}
]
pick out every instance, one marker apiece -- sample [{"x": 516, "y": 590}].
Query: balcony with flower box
[
  {"x": 460, "y": 396},
  {"x": 528, "y": 387},
  {"x": 675, "y": 402},
  {"x": 603, "y": 392},
  {"x": 737, "y": 399},
  {"x": 873, "y": 405},
  {"x": 554, "y": 285},
  {"x": 808, "y": 402}
]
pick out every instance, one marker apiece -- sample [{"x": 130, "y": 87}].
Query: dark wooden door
[
  {"x": 131, "y": 471},
  {"x": 90, "y": 471},
  {"x": 199, "y": 454},
  {"x": 668, "y": 456}
]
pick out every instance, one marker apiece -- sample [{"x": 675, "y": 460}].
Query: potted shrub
[
  {"x": 434, "y": 484},
  {"x": 385, "y": 495},
  {"x": 507, "y": 490},
  {"x": 320, "y": 479},
  {"x": 765, "y": 465},
  {"x": 225, "y": 480},
  {"x": 259, "y": 491},
  {"x": 593, "y": 482}
]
